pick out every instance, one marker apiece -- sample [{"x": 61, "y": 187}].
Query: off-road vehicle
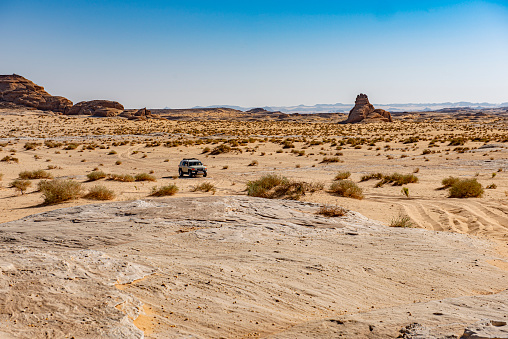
[{"x": 191, "y": 167}]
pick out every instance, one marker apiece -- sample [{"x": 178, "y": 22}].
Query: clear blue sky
[{"x": 259, "y": 53}]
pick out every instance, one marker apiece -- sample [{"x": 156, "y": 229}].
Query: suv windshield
[{"x": 195, "y": 163}]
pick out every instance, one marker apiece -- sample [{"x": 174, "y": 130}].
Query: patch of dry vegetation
[{"x": 60, "y": 190}]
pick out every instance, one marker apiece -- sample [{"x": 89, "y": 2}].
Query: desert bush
[
  {"x": 71, "y": 146},
  {"x": 204, "y": 187},
  {"x": 121, "y": 177},
  {"x": 60, "y": 190},
  {"x": 457, "y": 142},
  {"x": 331, "y": 211},
  {"x": 342, "y": 175},
  {"x": 52, "y": 144},
  {"x": 144, "y": 177},
  {"x": 31, "y": 145},
  {"x": 466, "y": 188},
  {"x": 112, "y": 152},
  {"x": 118, "y": 162},
  {"x": 99, "y": 192},
  {"x": 273, "y": 186},
  {"x": 206, "y": 149},
  {"x": 37, "y": 174},
  {"x": 449, "y": 182},
  {"x": 9, "y": 158},
  {"x": 397, "y": 179},
  {"x": 347, "y": 188},
  {"x": 170, "y": 189},
  {"x": 221, "y": 149},
  {"x": 327, "y": 160},
  {"x": 401, "y": 220},
  {"x": 253, "y": 163},
  {"x": 491, "y": 187},
  {"x": 96, "y": 175},
  {"x": 21, "y": 184},
  {"x": 370, "y": 176}
]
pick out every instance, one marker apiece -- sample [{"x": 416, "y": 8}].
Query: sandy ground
[{"x": 127, "y": 147}]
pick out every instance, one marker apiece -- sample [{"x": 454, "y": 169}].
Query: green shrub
[
  {"x": 99, "y": 192},
  {"x": 60, "y": 190},
  {"x": 37, "y": 174},
  {"x": 170, "y": 189},
  {"x": 466, "y": 188},
  {"x": 342, "y": 176},
  {"x": 347, "y": 188},
  {"x": 21, "y": 184},
  {"x": 96, "y": 175},
  {"x": 449, "y": 182},
  {"x": 331, "y": 211},
  {"x": 144, "y": 177}
]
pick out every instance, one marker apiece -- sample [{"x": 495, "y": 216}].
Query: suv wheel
[
  {"x": 204, "y": 174},
  {"x": 180, "y": 172}
]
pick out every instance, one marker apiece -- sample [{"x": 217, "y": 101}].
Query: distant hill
[{"x": 344, "y": 108}]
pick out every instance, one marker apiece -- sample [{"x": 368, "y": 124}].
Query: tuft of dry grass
[
  {"x": 144, "y": 177},
  {"x": 36, "y": 174},
  {"x": 401, "y": 220},
  {"x": 60, "y": 190},
  {"x": 327, "y": 160},
  {"x": 331, "y": 211},
  {"x": 162, "y": 191},
  {"x": 121, "y": 177},
  {"x": 346, "y": 188},
  {"x": 342, "y": 176},
  {"x": 99, "y": 192},
  {"x": 96, "y": 175},
  {"x": 204, "y": 187},
  {"x": 274, "y": 186},
  {"x": 21, "y": 184}
]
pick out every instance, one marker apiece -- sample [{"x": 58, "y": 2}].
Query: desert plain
[{"x": 218, "y": 263}]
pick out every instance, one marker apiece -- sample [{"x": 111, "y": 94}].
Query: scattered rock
[
  {"x": 23, "y": 92},
  {"x": 100, "y": 108},
  {"x": 364, "y": 111},
  {"x": 491, "y": 329}
]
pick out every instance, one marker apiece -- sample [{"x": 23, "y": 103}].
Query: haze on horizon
[{"x": 201, "y": 53}]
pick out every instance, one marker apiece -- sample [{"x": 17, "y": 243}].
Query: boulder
[
  {"x": 101, "y": 108},
  {"x": 23, "y": 92},
  {"x": 140, "y": 114},
  {"x": 365, "y": 111}
]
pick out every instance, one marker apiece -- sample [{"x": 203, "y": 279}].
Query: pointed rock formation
[
  {"x": 364, "y": 111},
  {"x": 18, "y": 90}
]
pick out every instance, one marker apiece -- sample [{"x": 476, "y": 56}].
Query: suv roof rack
[{"x": 190, "y": 159}]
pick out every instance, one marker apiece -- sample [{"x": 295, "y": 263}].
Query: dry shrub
[
  {"x": 331, "y": 211},
  {"x": 401, "y": 220},
  {"x": 144, "y": 177},
  {"x": 96, "y": 175},
  {"x": 466, "y": 188},
  {"x": 274, "y": 186},
  {"x": 37, "y": 174},
  {"x": 204, "y": 187},
  {"x": 397, "y": 179},
  {"x": 347, "y": 188},
  {"x": 221, "y": 149},
  {"x": 253, "y": 163},
  {"x": 60, "y": 190},
  {"x": 21, "y": 184},
  {"x": 99, "y": 192},
  {"x": 121, "y": 177},
  {"x": 449, "y": 182},
  {"x": 342, "y": 176},
  {"x": 327, "y": 160},
  {"x": 170, "y": 189},
  {"x": 8, "y": 158},
  {"x": 370, "y": 176}
]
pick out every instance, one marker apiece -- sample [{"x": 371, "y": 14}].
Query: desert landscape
[{"x": 305, "y": 226}]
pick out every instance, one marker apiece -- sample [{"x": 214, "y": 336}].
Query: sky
[{"x": 259, "y": 53}]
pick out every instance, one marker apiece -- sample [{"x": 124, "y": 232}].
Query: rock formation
[
  {"x": 364, "y": 111},
  {"x": 98, "y": 108},
  {"x": 18, "y": 90},
  {"x": 140, "y": 114}
]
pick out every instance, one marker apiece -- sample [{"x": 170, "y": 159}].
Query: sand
[{"x": 334, "y": 273}]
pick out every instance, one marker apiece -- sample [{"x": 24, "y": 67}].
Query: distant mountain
[{"x": 345, "y": 108}]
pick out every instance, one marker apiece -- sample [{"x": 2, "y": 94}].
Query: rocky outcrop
[
  {"x": 364, "y": 111},
  {"x": 140, "y": 114},
  {"x": 98, "y": 108},
  {"x": 20, "y": 91}
]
